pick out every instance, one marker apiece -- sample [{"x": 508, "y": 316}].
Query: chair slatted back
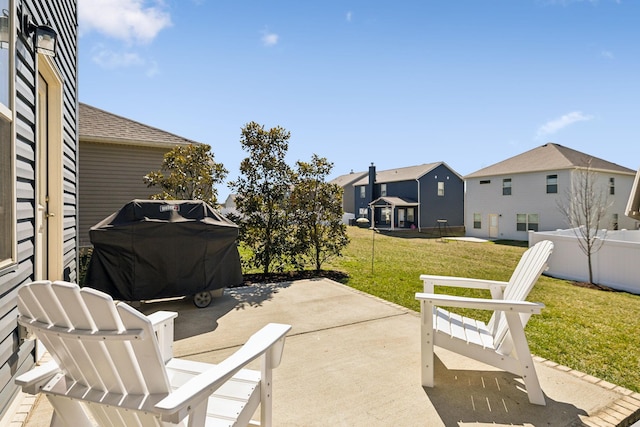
[
  {"x": 531, "y": 265},
  {"x": 106, "y": 347}
]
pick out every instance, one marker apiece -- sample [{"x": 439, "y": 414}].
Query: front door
[
  {"x": 493, "y": 226},
  {"x": 401, "y": 215}
]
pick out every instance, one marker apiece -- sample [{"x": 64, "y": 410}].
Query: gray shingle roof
[
  {"x": 347, "y": 179},
  {"x": 548, "y": 157},
  {"x": 97, "y": 125},
  {"x": 400, "y": 174}
]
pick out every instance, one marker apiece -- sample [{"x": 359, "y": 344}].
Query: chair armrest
[
  {"x": 480, "y": 303},
  {"x": 162, "y": 322},
  {"x": 460, "y": 282},
  {"x": 32, "y": 381},
  {"x": 268, "y": 340},
  {"x": 160, "y": 317}
]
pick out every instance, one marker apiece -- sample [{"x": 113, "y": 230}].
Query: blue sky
[{"x": 396, "y": 83}]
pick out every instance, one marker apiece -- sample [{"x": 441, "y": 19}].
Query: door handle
[{"x": 49, "y": 215}]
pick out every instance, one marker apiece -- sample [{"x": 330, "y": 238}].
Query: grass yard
[{"x": 589, "y": 330}]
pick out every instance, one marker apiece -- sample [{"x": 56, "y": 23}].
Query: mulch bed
[{"x": 289, "y": 276}]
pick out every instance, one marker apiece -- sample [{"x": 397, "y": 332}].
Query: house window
[
  {"x": 552, "y": 184},
  {"x": 477, "y": 220},
  {"x": 612, "y": 186},
  {"x": 506, "y": 187},
  {"x": 383, "y": 190},
  {"x": 7, "y": 234},
  {"x": 527, "y": 222},
  {"x": 485, "y": 181},
  {"x": 440, "y": 188},
  {"x": 363, "y": 192},
  {"x": 614, "y": 221},
  {"x": 410, "y": 215}
]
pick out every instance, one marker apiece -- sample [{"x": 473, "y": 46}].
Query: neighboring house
[
  {"x": 413, "y": 197},
  {"x": 115, "y": 154},
  {"x": 348, "y": 195},
  {"x": 229, "y": 205},
  {"x": 38, "y": 164},
  {"x": 522, "y": 193}
]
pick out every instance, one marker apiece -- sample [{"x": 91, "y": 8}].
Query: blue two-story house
[
  {"x": 38, "y": 166},
  {"x": 414, "y": 197}
]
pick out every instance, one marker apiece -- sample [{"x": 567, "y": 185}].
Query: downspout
[{"x": 419, "y": 204}]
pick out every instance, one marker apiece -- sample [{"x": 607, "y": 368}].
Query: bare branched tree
[{"x": 585, "y": 206}]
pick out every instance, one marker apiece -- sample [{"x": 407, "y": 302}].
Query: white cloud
[
  {"x": 106, "y": 58},
  {"x": 109, "y": 59},
  {"x": 133, "y": 21},
  {"x": 152, "y": 69},
  {"x": 554, "y": 126},
  {"x": 349, "y": 16},
  {"x": 607, "y": 54},
  {"x": 269, "y": 39}
]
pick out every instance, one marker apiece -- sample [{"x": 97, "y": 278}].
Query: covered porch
[{"x": 392, "y": 213}]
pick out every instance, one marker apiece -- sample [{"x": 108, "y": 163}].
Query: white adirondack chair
[
  {"x": 501, "y": 342},
  {"x": 113, "y": 366}
]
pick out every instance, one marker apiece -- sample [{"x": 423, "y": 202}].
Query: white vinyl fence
[{"x": 616, "y": 264}]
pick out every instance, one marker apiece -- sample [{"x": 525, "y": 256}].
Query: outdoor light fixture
[{"x": 44, "y": 37}]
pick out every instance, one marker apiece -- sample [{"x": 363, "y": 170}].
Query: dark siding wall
[
  {"x": 434, "y": 207},
  {"x": 16, "y": 356},
  {"x": 405, "y": 189},
  {"x": 360, "y": 202}
]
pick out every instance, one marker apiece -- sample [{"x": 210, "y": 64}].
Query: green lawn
[{"x": 593, "y": 331}]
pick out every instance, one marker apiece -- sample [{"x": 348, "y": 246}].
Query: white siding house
[{"x": 522, "y": 193}]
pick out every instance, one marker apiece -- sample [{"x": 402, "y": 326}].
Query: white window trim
[{"x": 8, "y": 112}]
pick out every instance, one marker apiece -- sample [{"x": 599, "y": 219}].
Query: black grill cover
[{"x": 163, "y": 248}]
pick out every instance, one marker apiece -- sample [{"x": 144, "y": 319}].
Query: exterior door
[
  {"x": 42, "y": 183},
  {"x": 49, "y": 239},
  {"x": 493, "y": 226},
  {"x": 401, "y": 215}
]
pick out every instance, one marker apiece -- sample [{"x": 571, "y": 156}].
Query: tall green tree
[
  {"x": 262, "y": 195},
  {"x": 188, "y": 172},
  {"x": 316, "y": 212}
]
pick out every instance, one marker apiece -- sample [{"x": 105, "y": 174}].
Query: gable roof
[
  {"x": 402, "y": 174},
  {"x": 344, "y": 180},
  {"x": 97, "y": 125},
  {"x": 393, "y": 201},
  {"x": 548, "y": 157}
]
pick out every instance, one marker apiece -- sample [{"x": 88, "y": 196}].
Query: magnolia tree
[
  {"x": 188, "y": 172},
  {"x": 261, "y": 196},
  {"x": 316, "y": 213},
  {"x": 287, "y": 217}
]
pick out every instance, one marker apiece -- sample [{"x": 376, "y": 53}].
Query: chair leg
[
  {"x": 527, "y": 368},
  {"x": 67, "y": 412},
  {"x": 266, "y": 391},
  {"x": 426, "y": 343},
  {"x": 198, "y": 416}
]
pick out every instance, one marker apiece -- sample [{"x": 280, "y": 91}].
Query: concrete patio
[{"x": 353, "y": 360}]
